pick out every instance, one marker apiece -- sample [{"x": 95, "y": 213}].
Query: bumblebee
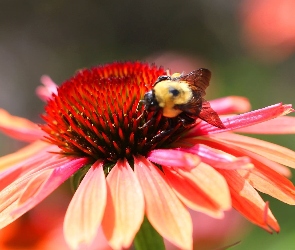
[{"x": 181, "y": 96}]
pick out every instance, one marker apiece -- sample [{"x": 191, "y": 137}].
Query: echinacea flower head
[{"x": 94, "y": 124}]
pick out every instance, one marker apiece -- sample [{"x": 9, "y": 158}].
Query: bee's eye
[
  {"x": 173, "y": 91},
  {"x": 163, "y": 78}
]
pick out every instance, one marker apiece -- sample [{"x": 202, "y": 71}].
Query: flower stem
[{"x": 148, "y": 238}]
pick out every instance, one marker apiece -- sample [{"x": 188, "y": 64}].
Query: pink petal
[
  {"x": 27, "y": 191},
  {"x": 235, "y": 151},
  {"x": 41, "y": 160},
  {"x": 163, "y": 209},
  {"x": 217, "y": 158},
  {"x": 207, "y": 193},
  {"x": 280, "y": 125},
  {"x": 243, "y": 120},
  {"x": 174, "y": 158},
  {"x": 19, "y": 128},
  {"x": 45, "y": 92},
  {"x": 85, "y": 212},
  {"x": 124, "y": 211},
  {"x": 248, "y": 202},
  {"x": 230, "y": 104},
  {"x": 266, "y": 149}
]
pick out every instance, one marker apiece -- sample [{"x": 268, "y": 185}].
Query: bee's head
[
  {"x": 150, "y": 101},
  {"x": 163, "y": 78}
]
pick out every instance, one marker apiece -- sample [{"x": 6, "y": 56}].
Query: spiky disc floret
[{"x": 96, "y": 113}]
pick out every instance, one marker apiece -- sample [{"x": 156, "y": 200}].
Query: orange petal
[
  {"x": 270, "y": 182},
  {"x": 278, "y": 186},
  {"x": 163, "y": 209},
  {"x": 30, "y": 189},
  {"x": 27, "y": 159},
  {"x": 200, "y": 193},
  {"x": 248, "y": 202},
  {"x": 85, "y": 212},
  {"x": 9, "y": 197},
  {"x": 213, "y": 184},
  {"x": 19, "y": 128},
  {"x": 269, "y": 150},
  {"x": 124, "y": 211}
]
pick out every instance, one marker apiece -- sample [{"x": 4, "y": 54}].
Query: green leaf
[{"x": 148, "y": 238}]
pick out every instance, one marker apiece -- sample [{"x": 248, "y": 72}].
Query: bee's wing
[
  {"x": 198, "y": 80},
  {"x": 208, "y": 115}
]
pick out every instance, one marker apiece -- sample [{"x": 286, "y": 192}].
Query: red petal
[
  {"x": 85, "y": 212},
  {"x": 163, "y": 209},
  {"x": 125, "y": 206}
]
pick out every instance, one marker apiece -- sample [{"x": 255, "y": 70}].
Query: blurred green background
[{"x": 59, "y": 37}]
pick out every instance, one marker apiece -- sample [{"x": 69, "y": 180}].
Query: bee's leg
[
  {"x": 139, "y": 105},
  {"x": 172, "y": 122},
  {"x": 153, "y": 118},
  {"x": 186, "y": 119}
]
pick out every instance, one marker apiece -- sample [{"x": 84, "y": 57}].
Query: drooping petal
[
  {"x": 27, "y": 191},
  {"x": 86, "y": 209},
  {"x": 19, "y": 128},
  {"x": 266, "y": 182},
  {"x": 269, "y": 150},
  {"x": 248, "y": 202},
  {"x": 124, "y": 211},
  {"x": 280, "y": 125},
  {"x": 174, "y": 158},
  {"x": 203, "y": 190},
  {"x": 279, "y": 186},
  {"x": 22, "y": 154},
  {"x": 163, "y": 209},
  {"x": 243, "y": 120},
  {"x": 32, "y": 157},
  {"x": 230, "y": 105},
  {"x": 41, "y": 160}
]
